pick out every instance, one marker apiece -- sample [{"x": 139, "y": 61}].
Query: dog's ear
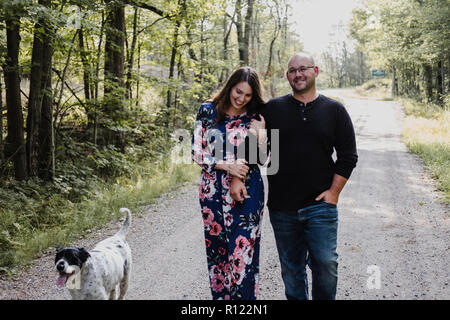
[
  {"x": 58, "y": 253},
  {"x": 83, "y": 254}
]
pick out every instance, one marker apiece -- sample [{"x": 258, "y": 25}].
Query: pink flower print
[
  {"x": 217, "y": 282},
  {"x": 208, "y": 216},
  {"x": 236, "y": 136},
  {"x": 248, "y": 255},
  {"x": 215, "y": 269},
  {"x": 238, "y": 276},
  {"x": 228, "y": 268},
  {"x": 220, "y": 267},
  {"x": 227, "y": 282},
  {"x": 241, "y": 244},
  {"x": 207, "y": 189},
  {"x": 256, "y": 233},
  {"x": 222, "y": 251},
  {"x": 226, "y": 181},
  {"x": 227, "y": 201},
  {"x": 228, "y": 219},
  {"x": 238, "y": 262},
  {"x": 215, "y": 229},
  {"x": 207, "y": 243},
  {"x": 233, "y": 124}
]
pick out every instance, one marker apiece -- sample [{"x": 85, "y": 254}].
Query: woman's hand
[
  {"x": 238, "y": 169},
  {"x": 257, "y": 128},
  {"x": 237, "y": 190}
]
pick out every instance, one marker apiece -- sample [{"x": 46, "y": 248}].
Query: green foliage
[
  {"x": 36, "y": 215},
  {"x": 112, "y": 134},
  {"x": 409, "y": 38}
]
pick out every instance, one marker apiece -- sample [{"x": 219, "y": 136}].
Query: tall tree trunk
[
  {"x": 440, "y": 82},
  {"x": 167, "y": 114},
  {"x": 114, "y": 69},
  {"x": 87, "y": 83},
  {"x": 428, "y": 74},
  {"x": 247, "y": 32},
  {"x": 276, "y": 32},
  {"x": 394, "y": 85},
  {"x": 172, "y": 64},
  {"x": 224, "y": 73},
  {"x": 114, "y": 51},
  {"x": 243, "y": 29},
  {"x": 131, "y": 55},
  {"x": 202, "y": 48},
  {"x": 138, "y": 74},
  {"x": 15, "y": 139},
  {"x": 96, "y": 80},
  {"x": 177, "y": 100},
  {"x": 35, "y": 97},
  {"x": 253, "y": 48},
  {"x": 239, "y": 30},
  {"x": 46, "y": 130},
  {"x": 2, "y": 154}
]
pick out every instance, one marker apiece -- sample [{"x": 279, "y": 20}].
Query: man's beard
[{"x": 309, "y": 85}]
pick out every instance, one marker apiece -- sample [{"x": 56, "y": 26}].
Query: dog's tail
[{"x": 126, "y": 225}]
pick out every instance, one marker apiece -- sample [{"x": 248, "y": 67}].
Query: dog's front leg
[{"x": 112, "y": 295}]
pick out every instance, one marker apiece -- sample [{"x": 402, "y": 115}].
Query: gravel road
[{"x": 393, "y": 241}]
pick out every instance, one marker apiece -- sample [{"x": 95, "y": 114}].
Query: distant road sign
[{"x": 378, "y": 73}]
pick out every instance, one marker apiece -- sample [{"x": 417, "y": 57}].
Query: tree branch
[
  {"x": 151, "y": 25},
  {"x": 143, "y": 5},
  {"x": 58, "y": 73}
]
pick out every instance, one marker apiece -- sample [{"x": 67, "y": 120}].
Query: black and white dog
[{"x": 100, "y": 273}]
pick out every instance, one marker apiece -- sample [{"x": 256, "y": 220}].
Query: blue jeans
[{"x": 307, "y": 236}]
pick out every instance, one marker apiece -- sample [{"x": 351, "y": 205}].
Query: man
[{"x": 304, "y": 193}]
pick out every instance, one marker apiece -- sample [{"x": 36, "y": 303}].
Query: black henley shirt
[{"x": 308, "y": 136}]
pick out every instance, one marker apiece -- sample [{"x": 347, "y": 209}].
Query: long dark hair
[{"x": 222, "y": 99}]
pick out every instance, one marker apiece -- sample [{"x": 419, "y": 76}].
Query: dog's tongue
[{"x": 61, "y": 280}]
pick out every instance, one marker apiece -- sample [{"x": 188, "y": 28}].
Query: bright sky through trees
[{"x": 314, "y": 19}]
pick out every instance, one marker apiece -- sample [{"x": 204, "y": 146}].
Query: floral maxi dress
[{"x": 232, "y": 230}]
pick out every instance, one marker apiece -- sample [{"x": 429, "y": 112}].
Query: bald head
[
  {"x": 301, "y": 74},
  {"x": 301, "y": 55}
]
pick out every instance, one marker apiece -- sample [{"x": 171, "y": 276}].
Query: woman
[{"x": 231, "y": 189}]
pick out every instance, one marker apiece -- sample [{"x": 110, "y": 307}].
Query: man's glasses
[{"x": 301, "y": 70}]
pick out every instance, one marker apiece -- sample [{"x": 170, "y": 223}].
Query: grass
[
  {"x": 426, "y": 132},
  {"x": 63, "y": 221}
]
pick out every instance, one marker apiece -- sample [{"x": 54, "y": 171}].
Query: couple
[{"x": 303, "y": 193}]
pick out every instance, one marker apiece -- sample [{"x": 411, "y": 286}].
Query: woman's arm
[{"x": 238, "y": 169}]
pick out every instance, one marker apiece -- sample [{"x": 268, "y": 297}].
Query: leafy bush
[{"x": 91, "y": 182}]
